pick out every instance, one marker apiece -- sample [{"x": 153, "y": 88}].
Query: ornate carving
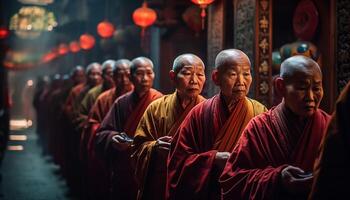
[
  {"x": 263, "y": 51},
  {"x": 343, "y": 41},
  {"x": 215, "y": 40}
]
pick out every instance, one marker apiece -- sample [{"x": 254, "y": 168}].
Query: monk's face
[
  {"x": 190, "y": 79},
  {"x": 304, "y": 92},
  {"x": 121, "y": 76},
  {"x": 143, "y": 77},
  {"x": 108, "y": 75},
  {"x": 95, "y": 76},
  {"x": 79, "y": 77},
  {"x": 234, "y": 79}
]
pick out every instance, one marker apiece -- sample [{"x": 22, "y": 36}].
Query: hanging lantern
[
  {"x": 87, "y": 41},
  {"x": 203, "y": 5},
  {"x": 62, "y": 49},
  {"x": 74, "y": 46},
  {"x": 4, "y": 32},
  {"x": 105, "y": 29},
  {"x": 48, "y": 57},
  {"x": 144, "y": 17}
]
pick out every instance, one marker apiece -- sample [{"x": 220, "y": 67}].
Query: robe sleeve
[
  {"x": 248, "y": 173},
  {"x": 190, "y": 163}
]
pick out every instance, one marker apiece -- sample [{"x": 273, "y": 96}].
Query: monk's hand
[
  {"x": 121, "y": 142},
  {"x": 163, "y": 145},
  {"x": 220, "y": 160},
  {"x": 295, "y": 180}
]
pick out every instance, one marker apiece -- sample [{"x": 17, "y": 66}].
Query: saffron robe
[
  {"x": 331, "y": 170},
  {"x": 124, "y": 116},
  {"x": 208, "y": 127},
  {"x": 161, "y": 118},
  {"x": 270, "y": 142}
]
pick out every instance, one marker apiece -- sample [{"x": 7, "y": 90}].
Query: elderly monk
[
  {"x": 274, "y": 157},
  {"x": 331, "y": 170},
  {"x": 202, "y": 143},
  {"x": 160, "y": 122},
  {"x": 114, "y": 137},
  {"x": 98, "y": 174}
]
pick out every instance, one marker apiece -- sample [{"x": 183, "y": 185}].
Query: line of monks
[{"x": 115, "y": 137}]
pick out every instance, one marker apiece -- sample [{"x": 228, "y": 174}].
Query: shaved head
[
  {"x": 186, "y": 59},
  {"x": 121, "y": 63},
  {"x": 94, "y": 65},
  {"x": 230, "y": 57},
  {"x": 296, "y": 64},
  {"x": 140, "y": 61},
  {"x": 108, "y": 63}
]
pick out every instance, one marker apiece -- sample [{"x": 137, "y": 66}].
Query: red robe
[
  {"x": 270, "y": 142},
  {"x": 124, "y": 116},
  {"x": 191, "y": 171},
  {"x": 331, "y": 176}
]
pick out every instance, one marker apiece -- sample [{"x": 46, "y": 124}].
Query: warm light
[
  {"x": 203, "y": 5},
  {"x": 18, "y": 137},
  {"x": 144, "y": 17},
  {"x": 4, "y": 32},
  {"x": 18, "y": 124},
  {"x": 15, "y": 148},
  {"x": 63, "y": 49},
  {"x": 30, "y": 83},
  {"x": 87, "y": 41},
  {"x": 105, "y": 29},
  {"x": 74, "y": 46}
]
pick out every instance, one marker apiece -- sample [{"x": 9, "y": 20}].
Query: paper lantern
[
  {"x": 144, "y": 17},
  {"x": 74, "y": 46},
  {"x": 105, "y": 29},
  {"x": 62, "y": 49},
  {"x": 4, "y": 32},
  {"x": 203, "y": 5},
  {"x": 87, "y": 41}
]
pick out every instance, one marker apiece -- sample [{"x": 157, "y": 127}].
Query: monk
[
  {"x": 331, "y": 170},
  {"x": 98, "y": 176},
  {"x": 275, "y": 155},
  {"x": 203, "y": 141},
  {"x": 114, "y": 137},
  {"x": 159, "y": 123}
]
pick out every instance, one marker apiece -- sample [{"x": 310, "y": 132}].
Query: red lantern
[
  {"x": 105, "y": 29},
  {"x": 144, "y": 17},
  {"x": 48, "y": 56},
  {"x": 74, "y": 46},
  {"x": 203, "y": 5},
  {"x": 87, "y": 41},
  {"x": 63, "y": 49},
  {"x": 4, "y": 32}
]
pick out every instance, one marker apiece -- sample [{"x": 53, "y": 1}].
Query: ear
[
  {"x": 172, "y": 75},
  {"x": 215, "y": 76},
  {"x": 280, "y": 86}
]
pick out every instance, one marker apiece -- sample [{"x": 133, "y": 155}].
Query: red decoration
[
  {"x": 305, "y": 20},
  {"x": 203, "y": 5},
  {"x": 48, "y": 57},
  {"x": 144, "y": 17},
  {"x": 87, "y": 41},
  {"x": 4, "y": 32},
  {"x": 63, "y": 49},
  {"x": 74, "y": 46},
  {"x": 105, "y": 29}
]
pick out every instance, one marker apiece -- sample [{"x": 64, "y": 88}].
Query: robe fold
[
  {"x": 191, "y": 170},
  {"x": 161, "y": 118},
  {"x": 123, "y": 116},
  {"x": 270, "y": 142},
  {"x": 331, "y": 170}
]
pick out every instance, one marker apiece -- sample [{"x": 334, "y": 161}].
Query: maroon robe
[
  {"x": 270, "y": 142},
  {"x": 191, "y": 171},
  {"x": 124, "y": 116}
]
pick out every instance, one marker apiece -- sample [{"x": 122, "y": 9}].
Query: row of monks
[{"x": 115, "y": 137}]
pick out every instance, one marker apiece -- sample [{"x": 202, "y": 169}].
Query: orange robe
[
  {"x": 208, "y": 127},
  {"x": 124, "y": 116},
  {"x": 270, "y": 142},
  {"x": 161, "y": 118}
]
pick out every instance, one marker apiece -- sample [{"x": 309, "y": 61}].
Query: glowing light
[
  {"x": 15, "y": 148},
  {"x": 30, "y": 83},
  {"x": 18, "y": 137}
]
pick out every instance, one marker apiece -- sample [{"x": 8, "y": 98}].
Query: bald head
[
  {"x": 108, "y": 64},
  {"x": 140, "y": 62},
  {"x": 186, "y": 59},
  {"x": 93, "y": 66},
  {"x": 230, "y": 57},
  {"x": 296, "y": 65},
  {"x": 121, "y": 64}
]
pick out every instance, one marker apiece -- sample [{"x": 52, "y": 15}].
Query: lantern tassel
[{"x": 203, "y": 14}]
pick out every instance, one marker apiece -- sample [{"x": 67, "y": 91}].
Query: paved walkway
[{"x": 27, "y": 175}]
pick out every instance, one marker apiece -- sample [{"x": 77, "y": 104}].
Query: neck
[
  {"x": 230, "y": 102},
  {"x": 141, "y": 93},
  {"x": 184, "y": 100}
]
